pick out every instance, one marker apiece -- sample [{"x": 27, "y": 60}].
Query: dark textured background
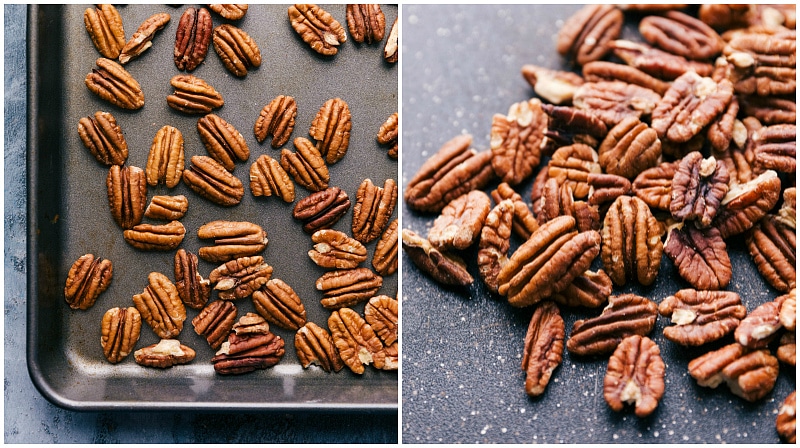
[{"x": 462, "y": 350}]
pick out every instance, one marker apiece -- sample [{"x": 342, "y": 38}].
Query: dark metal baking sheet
[
  {"x": 69, "y": 216},
  {"x": 462, "y": 381}
]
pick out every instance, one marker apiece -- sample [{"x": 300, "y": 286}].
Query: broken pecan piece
[
  {"x": 88, "y": 277},
  {"x": 366, "y": 23},
  {"x": 635, "y": 375},
  {"x": 165, "y": 162},
  {"x": 516, "y": 140},
  {"x": 334, "y": 249},
  {"x": 373, "y": 208},
  {"x": 212, "y": 181},
  {"x": 193, "y": 289},
  {"x": 279, "y": 304},
  {"x": 544, "y": 344},
  {"x": 787, "y": 349},
  {"x": 193, "y": 95},
  {"x": 390, "y": 52},
  {"x": 237, "y": 50},
  {"x": 119, "y": 332},
  {"x": 788, "y": 311},
  {"x": 223, "y": 142},
  {"x": 276, "y": 119},
  {"x": 104, "y": 25},
  {"x": 306, "y": 165},
  {"x": 314, "y": 345},
  {"x": 192, "y": 38},
  {"x": 384, "y": 259},
  {"x": 524, "y": 222},
  {"x": 355, "y": 340},
  {"x": 554, "y": 86},
  {"x": 161, "y": 306},
  {"x": 773, "y": 247},
  {"x": 164, "y": 237},
  {"x": 444, "y": 268},
  {"x": 495, "y": 241},
  {"x": 347, "y": 287},
  {"x": 459, "y": 225},
  {"x": 632, "y": 245},
  {"x": 114, "y": 84},
  {"x": 585, "y": 36},
  {"x": 322, "y": 209},
  {"x": 102, "y": 136},
  {"x": 127, "y": 194},
  {"x": 701, "y": 317},
  {"x": 230, "y": 12},
  {"x": 250, "y": 346},
  {"x": 232, "y": 239},
  {"x": 317, "y": 28},
  {"x": 700, "y": 255},
  {"x": 215, "y": 321},
  {"x": 629, "y": 148},
  {"x": 143, "y": 37},
  {"x": 698, "y": 187},
  {"x": 167, "y": 353},
  {"x": 625, "y": 315},
  {"x": 167, "y": 208}
]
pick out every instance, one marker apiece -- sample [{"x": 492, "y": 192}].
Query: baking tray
[
  {"x": 68, "y": 213},
  {"x": 462, "y": 349}
]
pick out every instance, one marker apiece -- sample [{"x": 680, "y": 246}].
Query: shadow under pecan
[
  {"x": 632, "y": 245},
  {"x": 544, "y": 344},
  {"x": 276, "y": 119},
  {"x": 167, "y": 208},
  {"x": 629, "y": 148},
  {"x": 494, "y": 243},
  {"x": 681, "y": 34},
  {"x": 373, "y": 208},
  {"x": 347, "y": 287},
  {"x": 749, "y": 374},
  {"x": 279, "y": 304},
  {"x": 161, "y": 306},
  {"x": 701, "y": 317},
  {"x": 114, "y": 84},
  {"x": 700, "y": 255},
  {"x": 585, "y": 36},
  {"x": 240, "y": 277},
  {"x": 355, "y": 340},
  {"x": 103, "y": 137},
  {"x": 88, "y": 277},
  {"x": 314, "y": 345},
  {"x": 334, "y": 249},
  {"x": 698, "y": 187},
  {"x": 193, "y": 289},
  {"x": 104, "y": 25},
  {"x": 317, "y": 28},
  {"x": 250, "y": 346},
  {"x": 215, "y": 321},
  {"x": 554, "y": 86},
  {"x": 321, "y": 209},
  {"x": 446, "y": 269},
  {"x": 165, "y": 161},
  {"x": 119, "y": 332},
  {"x": 773, "y": 247},
  {"x": 143, "y": 37},
  {"x": 516, "y": 141},
  {"x": 625, "y": 315},
  {"x": 165, "y": 354},
  {"x": 635, "y": 375},
  {"x": 460, "y": 223},
  {"x": 745, "y": 204},
  {"x": 192, "y": 38},
  {"x": 232, "y": 239}
]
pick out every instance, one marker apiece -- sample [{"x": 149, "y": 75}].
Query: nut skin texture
[
  {"x": 366, "y": 23},
  {"x": 384, "y": 258},
  {"x": 119, "y": 332},
  {"x": 165, "y": 162},
  {"x": 776, "y": 148},
  {"x": 88, "y": 277},
  {"x": 314, "y": 345},
  {"x": 786, "y": 421},
  {"x": 142, "y": 38},
  {"x": 558, "y": 200},
  {"x": 193, "y": 95},
  {"x": 215, "y": 321},
  {"x": 609, "y": 71},
  {"x": 355, "y": 340},
  {"x": 773, "y": 247},
  {"x": 447, "y": 269},
  {"x": 657, "y": 63},
  {"x": 460, "y": 223},
  {"x": 787, "y": 349},
  {"x": 104, "y": 25},
  {"x": 585, "y": 36},
  {"x": 268, "y": 178},
  {"x": 347, "y": 287},
  {"x": 208, "y": 178},
  {"x": 229, "y": 12},
  {"x": 571, "y": 165},
  {"x": 165, "y": 354},
  {"x": 390, "y": 50},
  {"x": 322, "y": 209},
  {"x": 335, "y": 250},
  {"x": 373, "y": 209},
  {"x": 331, "y": 130},
  {"x": 193, "y": 289},
  {"x": 568, "y": 125},
  {"x": 629, "y": 148},
  {"x": 769, "y": 110},
  {"x": 232, "y": 239},
  {"x": 750, "y": 375},
  {"x": 632, "y": 245},
  {"x": 700, "y": 255},
  {"x": 114, "y": 84},
  {"x": 240, "y": 277},
  {"x": 761, "y": 325},
  {"x": 192, "y": 38},
  {"x": 306, "y": 165},
  {"x": 681, "y": 34},
  {"x": 149, "y": 237},
  {"x": 698, "y": 188},
  {"x": 494, "y": 243},
  {"x": 279, "y": 304},
  {"x": 745, "y": 204},
  {"x": 654, "y": 185},
  {"x": 554, "y": 86},
  {"x": 381, "y": 313},
  {"x": 161, "y": 306},
  {"x": 317, "y": 28},
  {"x": 223, "y": 142},
  {"x": 788, "y": 310},
  {"x": 544, "y": 344},
  {"x": 524, "y": 222},
  {"x": 626, "y": 315},
  {"x": 250, "y": 346},
  {"x": 762, "y": 63},
  {"x": 701, "y": 317},
  {"x": 516, "y": 141},
  {"x": 605, "y": 188},
  {"x": 454, "y": 170},
  {"x": 276, "y": 119},
  {"x": 591, "y": 290},
  {"x": 635, "y": 375},
  {"x": 614, "y": 101},
  {"x": 127, "y": 195},
  {"x": 387, "y": 135},
  {"x": 103, "y": 137},
  {"x": 167, "y": 208},
  {"x": 237, "y": 50}
]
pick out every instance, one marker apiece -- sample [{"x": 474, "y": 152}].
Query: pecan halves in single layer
[
  {"x": 88, "y": 277},
  {"x": 165, "y": 162},
  {"x": 232, "y": 239},
  {"x": 355, "y": 340},
  {"x": 164, "y": 237},
  {"x": 277, "y": 302},
  {"x": 745, "y": 204},
  {"x": 142, "y": 39},
  {"x": 373, "y": 208},
  {"x": 629, "y": 148},
  {"x": 454, "y": 170},
  {"x": 334, "y": 249},
  {"x": 167, "y": 208},
  {"x": 250, "y": 346},
  {"x": 104, "y": 25},
  {"x": 654, "y": 185},
  {"x": 215, "y": 321},
  {"x": 390, "y": 52},
  {"x": 585, "y": 36},
  {"x": 322, "y": 209},
  {"x": 192, "y": 38},
  {"x": 701, "y": 317},
  {"x": 773, "y": 247},
  {"x": 240, "y": 277},
  {"x": 786, "y": 421},
  {"x": 223, "y": 142},
  {"x": 776, "y": 148},
  {"x": 761, "y": 325},
  {"x": 331, "y": 130},
  {"x": 193, "y": 95},
  {"x": 276, "y": 119},
  {"x": 384, "y": 258},
  {"x": 206, "y": 177},
  {"x": 459, "y": 225},
  {"x": 114, "y": 84},
  {"x": 314, "y": 345},
  {"x": 544, "y": 344},
  {"x": 193, "y": 289},
  {"x": 165, "y": 354},
  {"x": 306, "y": 165},
  {"x": 554, "y": 86},
  {"x": 119, "y": 332},
  {"x": 632, "y": 245},
  {"x": 548, "y": 262},
  {"x": 614, "y": 101},
  {"x": 516, "y": 141},
  {"x": 347, "y": 287},
  {"x": 698, "y": 188},
  {"x": 127, "y": 194},
  {"x": 102, "y": 136},
  {"x": 237, "y": 50},
  {"x": 635, "y": 375},
  {"x": 495, "y": 241},
  {"x": 387, "y": 135},
  {"x": 268, "y": 178},
  {"x": 161, "y": 306},
  {"x": 446, "y": 269},
  {"x": 591, "y": 289},
  {"x": 749, "y": 374},
  {"x": 625, "y": 315},
  {"x": 317, "y": 28},
  {"x": 366, "y": 23},
  {"x": 681, "y": 34},
  {"x": 700, "y": 255},
  {"x": 230, "y": 12}
]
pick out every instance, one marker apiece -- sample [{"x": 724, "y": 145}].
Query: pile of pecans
[
  {"x": 672, "y": 146},
  {"x": 247, "y": 343}
]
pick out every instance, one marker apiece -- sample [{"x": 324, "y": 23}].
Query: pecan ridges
[
  {"x": 165, "y": 162},
  {"x": 322, "y": 209},
  {"x": 268, "y": 178},
  {"x": 749, "y": 374},
  {"x": 387, "y": 135},
  {"x": 232, "y": 239},
  {"x": 192, "y": 38},
  {"x": 317, "y": 28},
  {"x": 127, "y": 194},
  {"x": 215, "y": 321},
  {"x": 306, "y": 165},
  {"x": 167, "y": 353},
  {"x": 585, "y": 36},
  {"x": 355, "y": 340},
  {"x": 193, "y": 289},
  {"x": 102, "y": 136},
  {"x": 347, "y": 287},
  {"x": 331, "y": 130},
  {"x": 161, "y": 306},
  {"x": 193, "y": 95},
  {"x": 249, "y": 347},
  {"x": 223, "y": 142},
  {"x": 635, "y": 375},
  {"x": 448, "y": 269},
  {"x": 373, "y": 208},
  {"x": 384, "y": 258},
  {"x": 114, "y": 84},
  {"x": 279, "y": 304},
  {"x": 163, "y": 237},
  {"x": 314, "y": 345},
  {"x": 334, "y": 249},
  {"x": 240, "y": 277},
  {"x": 366, "y": 23},
  {"x": 625, "y": 315},
  {"x": 698, "y": 187},
  {"x": 119, "y": 332},
  {"x": 167, "y": 208},
  {"x": 516, "y": 141},
  {"x": 701, "y": 317},
  {"x": 276, "y": 119},
  {"x": 88, "y": 277},
  {"x": 544, "y": 344},
  {"x": 142, "y": 38},
  {"x": 211, "y": 180},
  {"x": 700, "y": 255},
  {"x": 237, "y": 50},
  {"x": 632, "y": 245},
  {"x": 104, "y": 25}
]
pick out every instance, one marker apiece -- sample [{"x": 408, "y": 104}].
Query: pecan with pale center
[
  {"x": 625, "y": 315},
  {"x": 387, "y": 135},
  {"x": 700, "y": 255},
  {"x": 568, "y": 125},
  {"x": 786, "y": 421},
  {"x": 524, "y": 222},
  {"x": 102, "y": 136},
  {"x": 548, "y": 262},
  {"x": 654, "y": 185},
  {"x": 192, "y": 38},
  {"x": 447, "y": 269},
  {"x": 655, "y": 62},
  {"x": 127, "y": 194},
  {"x": 614, "y": 101},
  {"x": 215, "y": 321},
  {"x": 119, "y": 332},
  {"x": 591, "y": 289},
  {"x": 762, "y": 63},
  {"x": 193, "y": 95},
  {"x": 306, "y": 165},
  {"x": 701, "y": 317},
  {"x": 761, "y": 325},
  {"x": 454, "y": 170},
  {"x": 277, "y": 302},
  {"x": 609, "y": 71},
  {"x": 355, "y": 340},
  {"x": 544, "y": 343},
  {"x": 604, "y": 188},
  {"x": 681, "y": 34},
  {"x": 206, "y": 177},
  {"x": 749, "y": 374},
  {"x": 142, "y": 39},
  {"x": 193, "y": 289},
  {"x": 558, "y": 200},
  {"x": 373, "y": 208},
  {"x": 250, "y": 346},
  {"x": 317, "y": 28},
  {"x": 167, "y": 208},
  {"x": 459, "y": 225},
  {"x": 698, "y": 188},
  {"x": 237, "y": 50},
  {"x": 230, "y": 12},
  {"x": 167, "y": 353},
  {"x": 232, "y": 239},
  {"x": 240, "y": 277},
  {"x": 88, "y": 277},
  {"x": 314, "y": 345},
  {"x": 635, "y": 375},
  {"x": 571, "y": 165},
  {"x": 554, "y": 86},
  {"x": 516, "y": 140},
  {"x": 276, "y": 119},
  {"x": 390, "y": 52},
  {"x": 347, "y": 287},
  {"x": 224, "y": 143},
  {"x": 629, "y": 148},
  {"x": 104, "y": 25},
  {"x": 164, "y": 237},
  {"x": 632, "y": 245},
  {"x": 384, "y": 258},
  {"x": 267, "y": 178},
  {"x": 334, "y": 249},
  {"x": 776, "y": 148},
  {"x": 746, "y": 203},
  {"x": 331, "y": 130},
  {"x": 773, "y": 247},
  {"x": 366, "y": 23},
  {"x": 322, "y": 209},
  {"x": 495, "y": 241},
  {"x": 165, "y": 162},
  {"x": 787, "y": 215},
  {"x": 114, "y": 84},
  {"x": 788, "y": 311},
  {"x": 585, "y": 36},
  {"x": 161, "y": 306}
]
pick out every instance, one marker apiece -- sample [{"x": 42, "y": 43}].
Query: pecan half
[
  {"x": 701, "y": 317},
  {"x": 224, "y": 143},
  {"x": 193, "y": 95},
  {"x": 776, "y": 148},
  {"x": 232, "y": 239},
  {"x": 554, "y": 86},
  {"x": 161, "y": 306},
  {"x": 381, "y": 313},
  {"x": 544, "y": 343},
  {"x": 681, "y": 34},
  {"x": 387, "y": 135},
  {"x": 355, "y": 340},
  {"x": 142, "y": 39},
  {"x": 193, "y": 289},
  {"x": 366, "y": 23},
  {"x": 267, "y": 178},
  {"x": 609, "y": 71},
  {"x": 240, "y": 277},
  {"x": 654, "y": 185},
  {"x": 632, "y": 245},
  {"x": 165, "y": 354},
  {"x": 167, "y": 208},
  {"x": 373, "y": 208},
  {"x": 102, "y": 136},
  {"x": 585, "y": 36},
  {"x": 88, "y": 277},
  {"x": 237, "y": 50},
  {"x": 626, "y": 315},
  {"x": 322, "y": 209},
  {"x": 524, "y": 222},
  {"x": 164, "y": 237},
  {"x": 112, "y": 83},
  {"x": 215, "y": 321},
  {"x": 571, "y": 165},
  {"x": 127, "y": 195},
  {"x": 698, "y": 188},
  {"x": 230, "y": 12},
  {"x": 700, "y": 255},
  {"x": 614, "y": 101},
  {"x": 331, "y": 130},
  {"x": 568, "y": 125},
  {"x": 347, "y": 287},
  {"x": 635, "y": 375},
  {"x": 334, "y": 249},
  {"x": 773, "y": 247},
  {"x": 761, "y": 325},
  {"x": 446, "y": 269},
  {"x": 276, "y": 119},
  {"x": 591, "y": 289},
  {"x": 605, "y": 188},
  {"x": 306, "y": 165},
  {"x": 787, "y": 349},
  {"x": 314, "y": 345},
  {"x": 762, "y": 63},
  {"x": 165, "y": 162},
  {"x": 769, "y": 110},
  {"x": 548, "y": 262},
  {"x": 750, "y": 375},
  {"x": 460, "y": 223},
  {"x": 206, "y": 177},
  {"x": 277, "y": 302},
  {"x": 390, "y": 52},
  {"x": 192, "y": 38},
  {"x": 119, "y": 332},
  {"x": 384, "y": 258},
  {"x": 495, "y": 241},
  {"x": 454, "y": 170},
  {"x": 516, "y": 141},
  {"x": 787, "y": 215},
  {"x": 104, "y": 25},
  {"x": 655, "y": 62},
  {"x": 745, "y": 204},
  {"x": 250, "y": 346},
  {"x": 722, "y": 131},
  {"x": 786, "y": 421},
  {"x": 317, "y": 28},
  {"x": 629, "y": 148},
  {"x": 558, "y": 200}
]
